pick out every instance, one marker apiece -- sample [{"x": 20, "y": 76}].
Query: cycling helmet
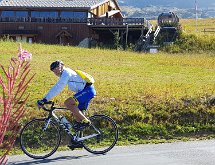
[{"x": 55, "y": 64}]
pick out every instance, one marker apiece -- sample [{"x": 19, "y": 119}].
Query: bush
[
  {"x": 169, "y": 119},
  {"x": 191, "y": 43}
]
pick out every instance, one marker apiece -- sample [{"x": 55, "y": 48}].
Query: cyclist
[{"x": 84, "y": 92}]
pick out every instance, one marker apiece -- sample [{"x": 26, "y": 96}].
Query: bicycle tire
[
  {"x": 106, "y": 140},
  {"x": 38, "y": 143}
]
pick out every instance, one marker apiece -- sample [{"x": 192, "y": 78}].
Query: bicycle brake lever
[{"x": 49, "y": 102}]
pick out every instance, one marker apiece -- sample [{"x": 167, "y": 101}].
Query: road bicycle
[{"x": 40, "y": 138}]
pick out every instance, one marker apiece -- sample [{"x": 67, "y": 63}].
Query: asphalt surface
[{"x": 178, "y": 153}]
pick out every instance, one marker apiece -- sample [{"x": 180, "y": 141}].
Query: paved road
[{"x": 179, "y": 153}]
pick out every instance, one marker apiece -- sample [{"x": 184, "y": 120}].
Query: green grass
[
  {"x": 121, "y": 75},
  {"x": 189, "y": 25},
  {"x": 197, "y": 27},
  {"x": 151, "y": 96}
]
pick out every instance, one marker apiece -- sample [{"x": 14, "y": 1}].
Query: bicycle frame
[{"x": 76, "y": 136}]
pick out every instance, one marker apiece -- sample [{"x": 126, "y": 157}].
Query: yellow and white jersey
[{"x": 68, "y": 77}]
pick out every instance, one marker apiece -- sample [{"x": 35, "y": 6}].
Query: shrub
[{"x": 191, "y": 43}]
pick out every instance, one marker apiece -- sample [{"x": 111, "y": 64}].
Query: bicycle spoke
[
  {"x": 105, "y": 135},
  {"x": 37, "y": 142}
]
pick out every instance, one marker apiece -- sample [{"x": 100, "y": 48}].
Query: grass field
[
  {"x": 125, "y": 81},
  {"x": 118, "y": 73},
  {"x": 193, "y": 26},
  {"x": 151, "y": 96}
]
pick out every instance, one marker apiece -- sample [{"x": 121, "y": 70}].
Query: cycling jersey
[{"x": 68, "y": 77}]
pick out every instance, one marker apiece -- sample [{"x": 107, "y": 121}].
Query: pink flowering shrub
[
  {"x": 14, "y": 82},
  {"x": 23, "y": 55}
]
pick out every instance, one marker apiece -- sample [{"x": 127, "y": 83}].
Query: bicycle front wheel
[
  {"x": 40, "y": 139},
  {"x": 103, "y": 133}
]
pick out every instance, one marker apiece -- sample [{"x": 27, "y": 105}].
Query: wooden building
[{"x": 66, "y": 22}]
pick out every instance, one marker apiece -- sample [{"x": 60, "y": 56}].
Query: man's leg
[{"x": 71, "y": 104}]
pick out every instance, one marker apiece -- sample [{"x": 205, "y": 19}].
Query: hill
[
  {"x": 170, "y": 3},
  {"x": 184, "y": 9}
]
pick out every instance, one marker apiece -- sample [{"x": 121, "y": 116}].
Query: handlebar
[{"x": 48, "y": 103}]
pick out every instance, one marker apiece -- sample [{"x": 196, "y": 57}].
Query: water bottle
[{"x": 65, "y": 122}]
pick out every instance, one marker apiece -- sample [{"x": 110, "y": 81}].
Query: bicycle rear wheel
[
  {"x": 106, "y": 133},
  {"x": 37, "y": 141}
]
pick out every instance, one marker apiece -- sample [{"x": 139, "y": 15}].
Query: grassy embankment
[{"x": 153, "y": 98}]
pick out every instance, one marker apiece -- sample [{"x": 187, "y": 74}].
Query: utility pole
[
  {"x": 196, "y": 9},
  {"x": 126, "y": 37}
]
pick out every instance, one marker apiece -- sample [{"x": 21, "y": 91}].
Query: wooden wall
[
  {"x": 102, "y": 9},
  {"x": 47, "y": 32}
]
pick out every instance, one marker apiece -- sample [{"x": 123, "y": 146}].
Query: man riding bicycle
[{"x": 84, "y": 92}]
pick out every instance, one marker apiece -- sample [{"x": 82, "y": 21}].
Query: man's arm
[{"x": 58, "y": 87}]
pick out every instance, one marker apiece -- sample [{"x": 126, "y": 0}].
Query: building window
[
  {"x": 21, "y": 14},
  {"x": 64, "y": 28},
  {"x": 40, "y": 27},
  {"x": 30, "y": 40},
  {"x": 21, "y": 38},
  {"x": 70, "y": 14},
  {"x": 44, "y": 14},
  {"x": 8, "y": 14},
  {"x": 21, "y": 27},
  {"x": 14, "y": 14}
]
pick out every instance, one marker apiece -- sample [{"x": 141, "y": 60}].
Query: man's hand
[{"x": 41, "y": 103}]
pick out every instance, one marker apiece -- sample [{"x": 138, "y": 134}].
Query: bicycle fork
[{"x": 46, "y": 124}]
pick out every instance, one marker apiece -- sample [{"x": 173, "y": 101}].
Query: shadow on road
[{"x": 47, "y": 160}]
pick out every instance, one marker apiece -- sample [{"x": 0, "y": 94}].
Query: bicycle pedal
[
  {"x": 71, "y": 148},
  {"x": 74, "y": 146}
]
